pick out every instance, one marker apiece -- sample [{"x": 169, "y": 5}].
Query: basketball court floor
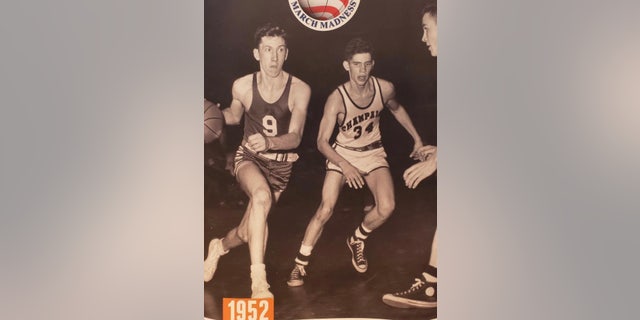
[{"x": 397, "y": 251}]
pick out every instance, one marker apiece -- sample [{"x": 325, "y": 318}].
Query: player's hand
[
  {"x": 211, "y": 102},
  {"x": 422, "y": 153},
  {"x": 416, "y": 146},
  {"x": 352, "y": 175},
  {"x": 258, "y": 143},
  {"x": 419, "y": 171}
]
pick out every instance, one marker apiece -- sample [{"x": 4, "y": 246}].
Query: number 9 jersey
[{"x": 267, "y": 119}]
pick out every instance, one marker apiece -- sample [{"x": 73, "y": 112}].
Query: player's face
[
  {"x": 359, "y": 68},
  {"x": 430, "y": 33},
  {"x": 271, "y": 53}
]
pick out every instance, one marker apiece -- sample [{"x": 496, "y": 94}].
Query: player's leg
[
  {"x": 253, "y": 228},
  {"x": 333, "y": 183},
  {"x": 433, "y": 260},
  {"x": 381, "y": 185},
  {"x": 331, "y": 188},
  {"x": 423, "y": 293},
  {"x": 276, "y": 197},
  {"x": 236, "y": 236}
]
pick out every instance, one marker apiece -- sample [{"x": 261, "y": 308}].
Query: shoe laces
[
  {"x": 414, "y": 287},
  {"x": 359, "y": 251},
  {"x": 298, "y": 271}
]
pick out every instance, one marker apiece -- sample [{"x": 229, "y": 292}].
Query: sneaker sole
[
  {"x": 295, "y": 283},
  {"x": 404, "y": 303},
  {"x": 353, "y": 261}
]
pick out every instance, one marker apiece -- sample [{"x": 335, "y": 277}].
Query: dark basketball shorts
[{"x": 276, "y": 172}]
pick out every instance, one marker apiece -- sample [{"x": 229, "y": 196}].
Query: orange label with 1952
[{"x": 247, "y": 309}]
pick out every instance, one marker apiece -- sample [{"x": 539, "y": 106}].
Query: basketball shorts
[
  {"x": 276, "y": 172},
  {"x": 365, "y": 161}
]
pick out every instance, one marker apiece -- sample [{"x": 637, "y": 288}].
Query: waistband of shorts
[
  {"x": 371, "y": 146},
  {"x": 276, "y": 156},
  {"x": 280, "y": 156}
]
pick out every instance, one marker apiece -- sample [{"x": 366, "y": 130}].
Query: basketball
[
  {"x": 213, "y": 122},
  {"x": 323, "y": 9}
]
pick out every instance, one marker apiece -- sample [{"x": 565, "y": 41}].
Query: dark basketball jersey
[
  {"x": 268, "y": 119},
  {"x": 361, "y": 125}
]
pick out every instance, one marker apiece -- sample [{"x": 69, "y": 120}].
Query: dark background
[{"x": 315, "y": 57}]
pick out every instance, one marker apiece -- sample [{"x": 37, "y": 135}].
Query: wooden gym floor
[{"x": 397, "y": 251}]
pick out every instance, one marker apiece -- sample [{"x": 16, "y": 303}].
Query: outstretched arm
[{"x": 398, "y": 111}]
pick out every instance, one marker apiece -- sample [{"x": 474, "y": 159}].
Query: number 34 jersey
[
  {"x": 267, "y": 119},
  {"x": 361, "y": 125}
]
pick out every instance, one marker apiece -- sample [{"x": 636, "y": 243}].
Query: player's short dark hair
[
  {"x": 269, "y": 30},
  {"x": 357, "y": 45},
  {"x": 430, "y": 7}
]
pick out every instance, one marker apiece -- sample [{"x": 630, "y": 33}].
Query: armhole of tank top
[
  {"x": 344, "y": 104},
  {"x": 254, "y": 89},
  {"x": 384, "y": 105},
  {"x": 286, "y": 95}
]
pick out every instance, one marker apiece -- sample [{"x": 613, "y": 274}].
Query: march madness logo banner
[{"x": 323, "y": 15}]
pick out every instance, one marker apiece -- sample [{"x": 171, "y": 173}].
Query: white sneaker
[
  {"x": 260, "y": 291},
  {"x": 211, "y": 262}
]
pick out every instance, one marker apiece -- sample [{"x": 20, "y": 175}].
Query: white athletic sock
[
  {"x": 303, "y": 255},
  {"x": 258, "y": 268},
  {"x": 306, "y": 250},
  {"x": 362, "y": 232}
]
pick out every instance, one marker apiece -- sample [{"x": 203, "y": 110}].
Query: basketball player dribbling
[
  {"x": 274, "y": 105},
  {"x": 357, "y": 157},
  {"x": 423, "y": 292}
]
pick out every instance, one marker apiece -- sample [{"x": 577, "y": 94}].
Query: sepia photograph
[{"x": 320, "y": 158}]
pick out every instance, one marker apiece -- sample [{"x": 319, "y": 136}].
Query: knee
[
  {"x": 242, "y": 234},
  {"x": 261, "y": 198},
  {"x": 324, "y": 213},
  {"x": 386, "y": 207}
]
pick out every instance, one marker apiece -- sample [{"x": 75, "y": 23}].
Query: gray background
[{"x": 538, "y": 127}]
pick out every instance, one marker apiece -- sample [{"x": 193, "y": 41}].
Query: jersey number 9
[{"x": 270, "y": 126}]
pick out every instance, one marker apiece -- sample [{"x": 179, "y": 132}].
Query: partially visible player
[
  {"x": 357, "y": 157},
  {"x": 423, "y": 292},
  {"x": 274, "y": 105}
]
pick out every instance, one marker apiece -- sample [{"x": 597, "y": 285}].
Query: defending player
[
  {"x": 357, "y": 157},
  {"x": 274, "y": 105},
  {"x": 423, "y": 292}
]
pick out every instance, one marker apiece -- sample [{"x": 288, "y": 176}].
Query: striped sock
[
  {"x": 362, "y": 232},
  {"x": 303, "y": 255}
]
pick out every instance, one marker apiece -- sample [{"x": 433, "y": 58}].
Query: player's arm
[
  {"x": 398, "y": 111},
  {"x": 233, "y": 114},
  {"x": 301, "y": 93},
  {"x": 332, "y": 108}
]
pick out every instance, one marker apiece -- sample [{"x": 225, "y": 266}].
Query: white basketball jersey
[{"x": 361, "y": 125}]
